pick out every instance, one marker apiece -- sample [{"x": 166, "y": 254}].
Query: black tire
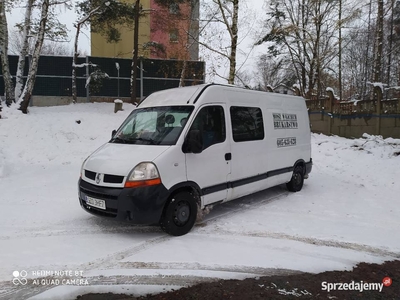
[
  {"x": 296, "y": 182},
  {"x": 180, "y": 214}
]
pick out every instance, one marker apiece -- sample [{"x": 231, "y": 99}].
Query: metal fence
[{"x": 54, "y": 76}]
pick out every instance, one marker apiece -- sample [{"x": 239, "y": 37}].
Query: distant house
[
  {"x": 160, "y": 27},
  {"x": 283, "y": 89}
]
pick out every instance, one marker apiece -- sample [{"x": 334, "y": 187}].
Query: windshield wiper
[
  {"x": 119, "y": 140},
  {"x": 132, "y": 140},
  {"x": 151, "y": 141}
]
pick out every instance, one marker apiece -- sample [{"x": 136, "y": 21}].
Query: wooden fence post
[
  {"x": 118, "y": 105},
  {"x": 378, "y": 93},
  {"x": 296, "y": 90},
  {"x": 331, "y": 100}
]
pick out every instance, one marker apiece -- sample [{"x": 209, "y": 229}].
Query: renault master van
[{"x": 183, "y": 149}]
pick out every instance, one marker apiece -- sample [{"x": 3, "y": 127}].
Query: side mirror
[
  {"x": 193, "y": 142},
  {"x": 113, "y": 133}
]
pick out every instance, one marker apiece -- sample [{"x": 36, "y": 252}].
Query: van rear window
[{"x": 247, "y": 123}]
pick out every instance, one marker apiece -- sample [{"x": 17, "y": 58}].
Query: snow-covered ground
[{"x": 347, "y": 212}]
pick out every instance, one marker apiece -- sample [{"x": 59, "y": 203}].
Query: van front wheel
[
  {"x": 296, "y": 183},
  {"x": 180, "y": 214}
]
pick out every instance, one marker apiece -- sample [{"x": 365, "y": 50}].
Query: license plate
[{"x": 96, "y": 202}]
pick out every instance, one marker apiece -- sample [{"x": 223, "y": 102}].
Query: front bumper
[{"x": 143, "y": 205}]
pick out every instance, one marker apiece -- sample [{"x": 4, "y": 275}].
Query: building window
[
  {"x": 174, "y": 8},
  {"x": 247, "y": 124},
  {"x": 173, "y": 35}
]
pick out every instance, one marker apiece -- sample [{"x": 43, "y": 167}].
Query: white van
[{"x": 185, "y": 148}]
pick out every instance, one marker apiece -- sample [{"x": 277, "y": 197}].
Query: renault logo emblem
[{"x": 98, "y": 178}]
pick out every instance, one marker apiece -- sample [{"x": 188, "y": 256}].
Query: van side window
[
  {"x": 210, "y": 121},
  {"x": 247, "y": 123}
]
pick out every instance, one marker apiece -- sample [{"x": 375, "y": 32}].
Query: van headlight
[{"x": 144, "y": 174}]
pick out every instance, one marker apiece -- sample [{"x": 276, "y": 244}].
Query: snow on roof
[
  {"x": 284, "y": 86},
  {"x": 378, "y": 84},
  {"x": 393, "y": 88},
  {"x": 329, "y": 89}
]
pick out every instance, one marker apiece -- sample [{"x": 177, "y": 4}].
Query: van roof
[
  {"x": 190, "y": 94},
  {"x": 174, "y": 96}
]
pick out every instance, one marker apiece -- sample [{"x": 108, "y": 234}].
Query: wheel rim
[
  {"x": 297, "y": 179},
  {"x": 181, "y": 213}
]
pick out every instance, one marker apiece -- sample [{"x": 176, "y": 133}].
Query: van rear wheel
[
  {"x": 180, "y": 214},
  {"x": 296, "y": 182}
]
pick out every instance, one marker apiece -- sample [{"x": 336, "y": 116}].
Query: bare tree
[
  {"x": 396, "y": 45},
  {"x": 50, "y": 48},
  {"x": 340, "y": 49},
  {"x": 378, "y": 44},
  {"x": 40, "y": 30},
  {"x": 23, "y": 44},
  {"x": 273, "y": 72},
  {"x": 8, "y": 84},
  {"x": 135, "y": 52},
  {"x": 222, "y": 16},
  {"x": 47, "y": 24},
  {"x": 24, "y": 49},
  {"x": 243, "y": 78},
  {"x": 30, "y": 82},
  {"x": 104, "y": 17},
  {"x": 54, "y": 32},
  {"x": 356, "y": 60},
  {"x": 305, "y": 31}
]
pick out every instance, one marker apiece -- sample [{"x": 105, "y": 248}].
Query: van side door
[
  {"x": 210, "y": 168},
  {"x": 249, "y": 151}
]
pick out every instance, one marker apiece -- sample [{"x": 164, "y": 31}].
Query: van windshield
[{"x": 153, "y": 125}]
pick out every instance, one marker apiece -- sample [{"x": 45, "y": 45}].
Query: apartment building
[{"x": 164, "y": 32}]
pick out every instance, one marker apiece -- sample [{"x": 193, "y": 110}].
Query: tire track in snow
[
  {"x": 104, "y": 226},
  {"x": 111, "y": 259},
  {"x": 229, "y": 208},
  {"x": 8, "y": 291},
  {"x": 30, "y": 290},
  {"x": 251, "y": 202},
  {"x": 312, "y": 241},
  {"x": 251, "y": 270},
  {"x": 243, "y": 204},
  {"x": 46, "y": 232},
  {"x": 17, "y": 292}
]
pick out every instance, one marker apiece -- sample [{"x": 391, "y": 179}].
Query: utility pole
[
  {"x": 340, "y": 51},
  {"x": 135, "y": 52},
  {"x": 390, "y": 44},
  {"x": 377, "y": 76}
]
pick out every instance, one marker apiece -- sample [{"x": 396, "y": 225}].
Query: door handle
[{"x": 228, "y": 156}]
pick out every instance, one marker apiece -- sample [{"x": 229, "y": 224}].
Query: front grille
[
  {"x": 108, "y": 178},
  {"x": 109, "y": 212},
  {"x": 90, "y": 174},
  {"x": 98, "y": 195},
  {"x": 113, "y": 178}
]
